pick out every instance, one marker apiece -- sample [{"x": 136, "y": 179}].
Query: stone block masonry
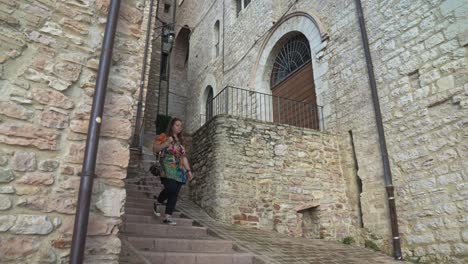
[
  {"x": 419, "y": 51},
  {"x": 271, "y": 176},
  {"x": 49, "y": 55}
]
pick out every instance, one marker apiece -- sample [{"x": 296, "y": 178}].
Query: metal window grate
[{"x": 294, "y": 54}]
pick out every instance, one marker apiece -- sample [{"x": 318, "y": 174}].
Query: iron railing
[{"x": 264, "y": 107}]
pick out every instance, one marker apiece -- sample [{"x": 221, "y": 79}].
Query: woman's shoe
[
  {"x": 169, "y": 221},
  {"x": 156, "y": 209}
]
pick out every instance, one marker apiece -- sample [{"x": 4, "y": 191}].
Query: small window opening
[
  {"x": 167, "y": 8},
  {"x": 358, "y": 180}
]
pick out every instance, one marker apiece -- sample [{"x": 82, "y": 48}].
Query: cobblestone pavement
[{"x": 279, "y": 249}]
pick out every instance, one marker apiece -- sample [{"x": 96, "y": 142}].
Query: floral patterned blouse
[{"x": 171, "y": 160}]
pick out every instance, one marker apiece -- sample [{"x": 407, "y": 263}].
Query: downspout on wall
[
  {"x": 380, "y": 129},
  {"x": 92, "y": 140}
]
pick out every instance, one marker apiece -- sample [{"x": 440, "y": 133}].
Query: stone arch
[
  {"x": 209, "y": 81},
  {"x": 294, "y": 23},
  {"x": 208, "y": 95},
  {"x": 180, "y": 53},
  {"x": 179, "y": 85}
]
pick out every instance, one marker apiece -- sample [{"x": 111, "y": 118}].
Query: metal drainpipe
[
  {"x": 92, "y": 140},
  {"x": 380, "y": 129},
  {"x": 169, "y": 57},
  {"x": 136, "y": 142}
]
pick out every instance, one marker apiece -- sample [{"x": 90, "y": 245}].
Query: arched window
[
  {"x": 216, "y": 39},
  {"x": 241, "y": 4},
  {"x": 292, "y": 56}
]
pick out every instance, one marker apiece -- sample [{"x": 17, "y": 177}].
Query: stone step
[
  {"x": 143, "y": 199},
  {"x": 198, "y": 258},
  {"x": 182, "y": 245},
  {"x": 163, "y": 230},
  {"x": 147, "y": 212},
  {"x": 156, "y": 220},
  {"x": 148, "y": 203}
]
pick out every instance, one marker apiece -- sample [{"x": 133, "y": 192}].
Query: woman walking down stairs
[{"x": 146, "y": 237}]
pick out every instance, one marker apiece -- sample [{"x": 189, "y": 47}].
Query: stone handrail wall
[
  {"x": 49, "y": 55},
  {"x": 271, "y": 176}
]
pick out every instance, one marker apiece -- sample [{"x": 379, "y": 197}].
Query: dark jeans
[{"x": 169, "y": 193}]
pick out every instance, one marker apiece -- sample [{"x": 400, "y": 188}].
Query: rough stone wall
[
  {"x": 420, "y": 60},
  {"x": 49, "y": 55},
  {"x": 271, "y": 176}
]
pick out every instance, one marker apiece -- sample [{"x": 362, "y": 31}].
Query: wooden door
[{"x": 301, "y": 108}]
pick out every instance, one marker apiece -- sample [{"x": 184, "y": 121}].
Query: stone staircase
[{"x": 186, "y": 243}]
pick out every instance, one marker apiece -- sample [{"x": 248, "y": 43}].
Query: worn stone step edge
[
  {"x": 178, "y": 257},
  {"x": 182, "y": 245}
]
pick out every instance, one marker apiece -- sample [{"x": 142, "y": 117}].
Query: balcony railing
[{"x": 264, "y": 107}]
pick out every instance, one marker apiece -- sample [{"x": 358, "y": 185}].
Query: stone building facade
[
  {"x": 419, "y": 51},
  {"x": 49, "y": 56},
  {"x": 49, "y": 52}
]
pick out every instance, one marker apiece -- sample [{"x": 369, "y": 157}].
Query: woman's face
[{"x": 177, "y": 127}]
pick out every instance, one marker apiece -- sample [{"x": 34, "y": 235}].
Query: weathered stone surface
[
  {"x": 37, "y": 178},
  {"x": 110, "y": 172},
  {"x": 103, "y": 245},
  {"x": 247, "y": 180},
  {"x": 98, "y": 225},
  {"x": 58, "y": 203},
  {"x": 16, "y": 248},
  {"x": 7, "y": 189},
  {"x": 52, "y": 28},
  {"x": 111, "y": 202},
  {"x": 71, "y": 184},
  {"x": 48, "y": 65},
  {"x": 28, "y": 135},
  {"x": 6, "y": 175},
  {"x": 128, "y": 13},
  {"x": 49, "y": 165},
  {"x": 32, "y": 225},
  {"x": 61, "y": 242},
  {"x": 6, "y": 222},
  {"x": 3, "y": 159},
  {"x": 5, "y": 202},
  {"x": 110, "y": 152},
  {"x": 15, "y": 110},
  {"x": 111, "y": 127},
  {"x": 74, "y": 26},
  {"x": 52, "y": 98},
  {"x": 46, "y": 255},
  {"x": 24, "y": 161},
  {"x": 27, "y": 190},
  {"x": 118, "y": 105},
  {"x": 54, "y": 119},
  {"x": 68, "y": 71},
  {"x": 41, "y": 38}
]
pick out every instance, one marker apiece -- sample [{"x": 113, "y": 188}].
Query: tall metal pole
[
  {"x": 89, "y": 163},
  {"x": 380, "y": 129},
  {"x": 138, "y": 123}
]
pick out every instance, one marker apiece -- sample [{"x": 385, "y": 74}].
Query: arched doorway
[
  {"x": 292, "y": 82},
  {"x": 209, "y": 102},
  {"x": 293, "y": 25},
  {"x": 179, "y": 85}
]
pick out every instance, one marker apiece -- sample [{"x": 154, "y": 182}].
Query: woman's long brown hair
[{"x": 170, "y": 133}]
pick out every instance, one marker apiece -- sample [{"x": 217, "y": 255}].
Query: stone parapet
[{"x": 271, "y": 176}]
